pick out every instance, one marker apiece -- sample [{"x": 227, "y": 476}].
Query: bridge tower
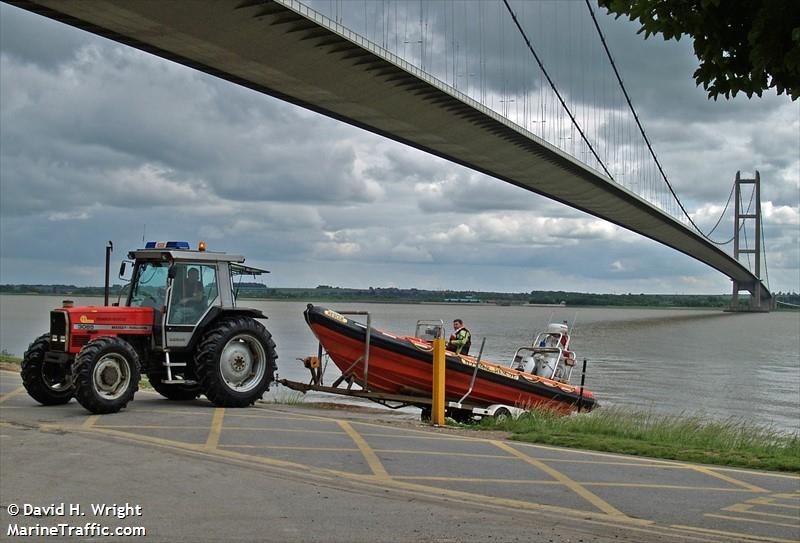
[{"x": 756, "y": 303}]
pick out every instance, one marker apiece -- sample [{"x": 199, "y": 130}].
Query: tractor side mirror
[{"x": 122, "y": 269}]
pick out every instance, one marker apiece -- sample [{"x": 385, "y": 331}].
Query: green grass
[
  {"x": 288, "y": 398},
  {"x": 7, "y": 358},
  {"x": 688, "y": 438}
]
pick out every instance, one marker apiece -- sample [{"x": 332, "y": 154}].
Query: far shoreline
[{"x": 399, "y": 301}]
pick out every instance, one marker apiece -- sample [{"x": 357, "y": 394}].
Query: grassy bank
[{"x": 686, "y": 438}]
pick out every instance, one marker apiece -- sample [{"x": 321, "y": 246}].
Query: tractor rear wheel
[
  {"x": 235, "y": 362},
  {"x": 46, "y": 382},
  {"x": 106, "y": 374},
  {"x": 178, "y": 392}
]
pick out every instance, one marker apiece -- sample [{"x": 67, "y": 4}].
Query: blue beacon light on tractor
[{"x": 178, "y": 245}]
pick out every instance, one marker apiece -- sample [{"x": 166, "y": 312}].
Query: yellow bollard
[{"x": 437, "y": 407}]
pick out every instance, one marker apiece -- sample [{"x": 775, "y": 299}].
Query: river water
[{"x": 708, "y": 363}]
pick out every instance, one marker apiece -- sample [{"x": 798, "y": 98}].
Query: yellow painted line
[
  {"x": 290, "y": 430},
  {"x": 552, "y": 482},
  {"x": 14, "y": 407},
  {"x": 770, "y": 502},
  {"x": 443, "y": 453},
  {"x": 754, "y": 521},
  {"x": 581, "y": 491},
  {"x": 710, "y": 472},
  {"x": 773, "y": 474},
  {"x": 216, "y": 428},
  {"x": 90, "y": 422},
  {"x": 149, "y": 427},
  {"x": 276, "y": 415},
  {"x": 369, "y": 455},
  {"x": 736, "y": 535},
  {"x": 290, "y": 448},
  {"x": 788, "y": 496},
  {"x": 478, "y": 500},
  {"x": 665, "y": 487},
  {"x": 8, "y": 395},
  {"x": 475, "y": 480},
  {"x": 748, "y": 508}
]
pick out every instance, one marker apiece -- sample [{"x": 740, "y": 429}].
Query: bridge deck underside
[{"x": 265, "y": 46}]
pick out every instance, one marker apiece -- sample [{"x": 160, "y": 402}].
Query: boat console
[{"x": 549, "y": 356}]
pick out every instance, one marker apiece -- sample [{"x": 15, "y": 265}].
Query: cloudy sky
[{"x": 102, "y": 142}]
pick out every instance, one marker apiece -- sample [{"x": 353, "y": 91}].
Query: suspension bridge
[{"x": 425, "y": 75}]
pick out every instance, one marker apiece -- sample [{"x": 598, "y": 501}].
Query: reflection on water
[{"x": 698, "y": 362}]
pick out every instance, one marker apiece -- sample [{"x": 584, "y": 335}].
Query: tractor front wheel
[
  {"x": 106, "y": 375},
  {"x": 235, "y": 362},
  {"x": 46, "y": 382}
]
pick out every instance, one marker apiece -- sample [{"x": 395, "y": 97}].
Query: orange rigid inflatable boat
[{"x": 538, "y": 376}]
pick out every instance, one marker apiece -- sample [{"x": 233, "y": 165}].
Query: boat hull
[{"x": 404, "y": 365}]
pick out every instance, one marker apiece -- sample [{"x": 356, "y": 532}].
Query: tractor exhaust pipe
[{"x": 109, "y": 249}]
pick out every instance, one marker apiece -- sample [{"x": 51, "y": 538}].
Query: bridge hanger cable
[
  {"x": 553, "y": 87},
  {"x": 639, "y": 124}
]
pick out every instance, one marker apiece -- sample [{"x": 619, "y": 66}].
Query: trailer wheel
[
  {"x": 173, "y": 391},
  {"x": 47, "y": 383},
  {"x": 106, "y": 375},
  {"x": 502, "y": 414},
  {"x": 235, "y": 362},
  {"x": 425, "y": 414}
]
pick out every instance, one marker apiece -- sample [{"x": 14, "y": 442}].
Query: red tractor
[{"x": 180, "y": 325}]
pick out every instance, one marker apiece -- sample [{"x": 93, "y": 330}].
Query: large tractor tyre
[
  {"x": 235, "y": 362},
  {"x": 106, "y": 375},
  {"x": 46, "y": 382},
  {"x": 178, "y": 392}
]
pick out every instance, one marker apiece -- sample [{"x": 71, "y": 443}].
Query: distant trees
[{"x": 743, "y": 45}]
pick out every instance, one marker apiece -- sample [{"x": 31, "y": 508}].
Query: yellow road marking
[
  {"x": 369, "y": 455},
  {"x": 747, "y": 486},
  {"x": 90, "y": 422},
  {"x": 737, "y": 535},
  {"x": 595, "y": 500},
  {"x": 216, "y": 428},
  {"x": 552, "y": 482},
  {"x": 753, "y": 520},
  {"x": 748, "y": 508},
  {"x": 290, "y": 430},
  {"x": 291, "y": 448},
  {"x": 16, "y": 392},
  {"x": 443, "y": 453},
  {"x": 759, "y": 473},
  {"x": 788, "y": 496},
  {"x": 502, "y": 504},
  {"x": 150, "y": 427},
  {"x": 770, "y": 502},
  {"x": 473, "y": 480}
]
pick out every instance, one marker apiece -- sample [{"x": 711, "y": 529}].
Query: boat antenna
[{"x": 572, "y": 328}]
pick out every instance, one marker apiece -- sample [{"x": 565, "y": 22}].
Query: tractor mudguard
[{"x": 216, "y": 313}]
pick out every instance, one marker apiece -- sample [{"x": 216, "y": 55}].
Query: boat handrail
[
  {"x": 366, "y": 342},
  {"x": 516, "y": 354},
  {"x": 474, "y": 372}
]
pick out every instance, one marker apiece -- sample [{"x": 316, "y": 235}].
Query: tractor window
[
  {"x": 194, "y": 290},
  {"x": 149, "y": 285}
]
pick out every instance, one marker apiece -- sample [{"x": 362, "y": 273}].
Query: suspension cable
[
  {"x": 553, "y": 87},
  {"x": 730, "y": 197},
  {"x": 641, "y": 128}
]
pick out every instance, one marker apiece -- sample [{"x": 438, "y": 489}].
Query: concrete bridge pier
[{"x": 761, "y": 300}]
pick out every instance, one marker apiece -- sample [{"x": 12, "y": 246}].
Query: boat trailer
[{"x": 460, "y": 410}]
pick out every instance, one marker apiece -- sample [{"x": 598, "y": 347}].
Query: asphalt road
[{"x": 283, "y": 473}]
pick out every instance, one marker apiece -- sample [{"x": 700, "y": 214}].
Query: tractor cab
[
  {"x": 180, "y": 325},
  {"x": 184, "y": 287}
]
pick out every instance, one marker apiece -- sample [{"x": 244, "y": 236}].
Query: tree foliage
[{"x": 743, "y": 45}]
